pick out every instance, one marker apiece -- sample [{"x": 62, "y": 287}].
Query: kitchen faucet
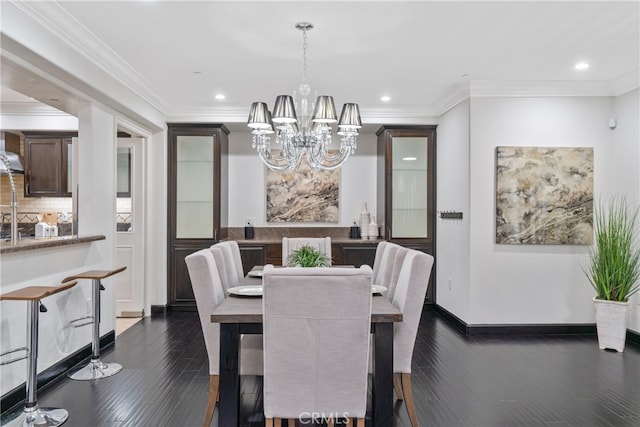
[{"x": 14, "y": 200}]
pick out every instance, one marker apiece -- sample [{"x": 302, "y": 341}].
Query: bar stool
[
  {"x": 33, "y": 415},
  {"x": 96, "y": 368}
]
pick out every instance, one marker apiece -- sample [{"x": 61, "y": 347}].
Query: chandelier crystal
[{"x": 298, "y": 135}]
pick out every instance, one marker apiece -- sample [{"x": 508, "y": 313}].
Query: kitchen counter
[{"x": 31, "y": 243}]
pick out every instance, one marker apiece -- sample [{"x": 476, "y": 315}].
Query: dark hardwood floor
[{"x": 485, "y": 380}]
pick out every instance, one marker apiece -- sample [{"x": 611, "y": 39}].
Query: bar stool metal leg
[
  {"x": 96, "y": 368},
  {"x": 33, "y": 415}
]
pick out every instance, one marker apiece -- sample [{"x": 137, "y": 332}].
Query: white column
[{"x": 96, "y": 168}]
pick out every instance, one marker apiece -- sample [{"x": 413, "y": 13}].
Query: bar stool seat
[
  {"x": 32, "y": 414},
  {"x": 96, "y": 368}
]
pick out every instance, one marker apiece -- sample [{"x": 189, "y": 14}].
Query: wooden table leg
[
  {"x": 383, "y": 375},
  {"x": 229, "y": 405}
]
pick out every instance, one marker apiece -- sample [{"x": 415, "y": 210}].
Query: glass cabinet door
[
  {"x": 194, "y": 187},
  {"x": 409, "y": 192}
]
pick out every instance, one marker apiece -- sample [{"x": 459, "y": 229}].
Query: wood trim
[{"x": 633, "y": 338}]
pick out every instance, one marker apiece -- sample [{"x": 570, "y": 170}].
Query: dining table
[{"x": 241, "y": 313}]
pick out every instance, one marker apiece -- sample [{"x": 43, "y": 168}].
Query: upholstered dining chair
[
  {"x": 382, "y": 246},
  {"x": 409, "y": 294},
  {"x": 394, "y": 271},
  {"x": 208, "y": 292},
  {"x": 229, "y": 263},
  {"x": 316, "y": 324},
  {"x": 290, "y": 244}
]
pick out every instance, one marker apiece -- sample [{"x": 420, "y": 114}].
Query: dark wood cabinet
[
  {"x": 406, "y": 191},
  {"x": 253, "y": 254},
  {"x": 356, "y": 254},
  {"x": 47, "y": 165},
  {"x": 197, "y": 173}
]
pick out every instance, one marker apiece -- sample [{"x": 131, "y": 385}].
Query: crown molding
[
  {"x": 56, "y": 20},
  {"x": 30, "y": 109},
  {"x": 458, "y": 93},
  {"x": 485, "y": 88},
  {"x": 238, "y": 114},
  {"x": 626, "y": 83}
]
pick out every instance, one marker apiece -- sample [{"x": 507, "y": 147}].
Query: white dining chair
[
  {"x": 382, "y": 246},
  {"x": 207, "y": 289},
  {"x": 290, "y": 244},
  {"x": 409, "y": 295},
  {"x": 316, "y": 341},
  {"x": 229, "y": 262},
  {"x": 394, "y": 271}
]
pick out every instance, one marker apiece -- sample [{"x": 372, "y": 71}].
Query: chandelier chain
[{"x": 304, "y": 56}]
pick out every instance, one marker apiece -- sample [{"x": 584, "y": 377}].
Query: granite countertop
[{"x": 31, "y": 243}]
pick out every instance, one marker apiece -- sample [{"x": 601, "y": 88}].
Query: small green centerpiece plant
[{"x": 307, "y": 256}]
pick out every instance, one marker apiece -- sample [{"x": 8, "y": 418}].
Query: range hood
[{"x": 14, "y": 160}]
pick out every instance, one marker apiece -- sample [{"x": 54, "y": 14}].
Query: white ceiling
[{"x": 416, "y": 52}]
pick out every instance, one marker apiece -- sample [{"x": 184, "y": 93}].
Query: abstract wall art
[
  {"x": 544, "y": 195},
  {"x": 303, "y": 195}
]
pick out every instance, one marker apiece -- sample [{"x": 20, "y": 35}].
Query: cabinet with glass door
[
  {"x": 406, "y": 188},
  {"x": 198, "y": 158}
]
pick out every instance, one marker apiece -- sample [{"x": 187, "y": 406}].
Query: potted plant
[
  {"x": 307, "y": 256},
  {"x": 614, "y": 270}
]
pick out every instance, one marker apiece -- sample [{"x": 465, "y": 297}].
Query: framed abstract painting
[{"x": 544, "y": 195}]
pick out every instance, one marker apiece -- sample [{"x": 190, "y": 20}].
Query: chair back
[
  {"x": 386, "y": 265},
  {"x": 316, "y": 340},
  {"x": 227, "y": 256},
  {"x": 290, "y": 244},
  {"x": 398, "y": 260},
  {"x": 382, "y": 246},
  {"x": 409, "y": 295},
  {"x": 208, "y": 291}
]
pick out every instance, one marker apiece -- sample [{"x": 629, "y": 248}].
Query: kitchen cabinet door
[{"x": 47, "y": 166}]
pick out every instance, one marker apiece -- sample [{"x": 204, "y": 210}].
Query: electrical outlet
[{"x": 250, "y": 221}]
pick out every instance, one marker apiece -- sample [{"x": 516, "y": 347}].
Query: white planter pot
[{"x": 611, "y": 323}]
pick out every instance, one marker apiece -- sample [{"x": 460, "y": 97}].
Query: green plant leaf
[
  {"x": 614, "y": 265},
  {"x": 307, "y": 256}
]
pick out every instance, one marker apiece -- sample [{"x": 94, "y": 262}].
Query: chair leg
[
  {"x": 268, "y": 422},
  {"x": 214, "y": 390},
  {"x": 397, "y": 387},
  {"x": 278, "y": 422},
  {"x": 360, "y": 422},
  {"x": 330, "y": 422},
  {"x": 292, "y": 422},
  {"x": 347, "y": 422},
  {"x": 408, "y": 399}
]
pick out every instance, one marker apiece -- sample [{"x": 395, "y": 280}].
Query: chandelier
[{"x": 299, "y": 134}]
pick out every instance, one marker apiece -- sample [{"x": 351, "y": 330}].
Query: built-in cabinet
[
  {"x": 197, "y": 171},
  {"x": 406, "y": 188},
  {"x": 48, "y": 165},
  {"x": 343, "y": 252}
]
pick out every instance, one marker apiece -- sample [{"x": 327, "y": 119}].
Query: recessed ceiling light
[
  {"x": 409, "y": 159},
  {"x": 385, "y": 98},
  {"x": 220, "y": 96},
  {"x": 581, "y": 66}
]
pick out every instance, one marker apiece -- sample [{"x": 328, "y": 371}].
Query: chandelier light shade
[{"x": 299, "y": 134}]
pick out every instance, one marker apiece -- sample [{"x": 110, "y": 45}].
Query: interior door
[{"x": 130, "y": 228}]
